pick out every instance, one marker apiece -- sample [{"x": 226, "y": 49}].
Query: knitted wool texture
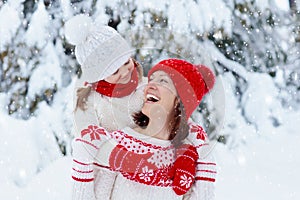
[
  {"x": 184, "y": 169},
  {"x": 106, "y": 185},
  {"x": 99, "y": 49},
  {"x": 191, "y": 82}
]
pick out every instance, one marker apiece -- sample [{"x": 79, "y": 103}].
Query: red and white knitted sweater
[{"x": 132, "y": 166}]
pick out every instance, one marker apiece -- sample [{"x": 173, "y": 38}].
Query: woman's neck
[{"x": 155, "y": 129}]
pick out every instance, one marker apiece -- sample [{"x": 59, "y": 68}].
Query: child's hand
[
  {"x": 85, "y": 148},
  {"x": 184, "y": 169}
]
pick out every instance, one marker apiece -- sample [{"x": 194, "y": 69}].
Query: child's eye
[
  {"x": 127, "y": 62},
  {"x": 115, "y": 72}
]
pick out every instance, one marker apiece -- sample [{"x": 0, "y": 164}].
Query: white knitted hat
[{"x": 100, "y": 49}]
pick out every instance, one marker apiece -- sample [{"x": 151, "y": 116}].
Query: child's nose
[
  {"x": 130, "y": 66},
  {"x": 127, "y": 67}
]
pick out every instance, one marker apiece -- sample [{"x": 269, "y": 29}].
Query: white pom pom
[{"x": 77, "y": 28}]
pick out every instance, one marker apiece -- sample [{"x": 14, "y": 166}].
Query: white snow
[
  {"x": 260, "y": 102},
  {"x": 8, "y": 26},
  {"x": 47, "y": 74},
  {"x": 158, "y": 5},
  {"x": 201, "y": 17},
  {"x": 37, "y": 33},
  {"x": 66, "y": 9},
  {"x": 19, "y": 154},
  {"x": 178, "y": 17},
  {"x": 54, "y": 182},
  {"x": 263, "y": 168},
  {"x": 31, "y": 164},
  {"x": 284, "y": 5}
]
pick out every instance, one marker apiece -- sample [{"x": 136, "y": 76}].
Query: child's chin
[{"x": 125, "y": 81}]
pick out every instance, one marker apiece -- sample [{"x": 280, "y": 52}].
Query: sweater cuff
[
  {"x": 206, "y": 171},
  {"x": 82, "y": 172}
]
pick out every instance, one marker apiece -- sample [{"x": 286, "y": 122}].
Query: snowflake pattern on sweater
[
  {"x": 148, "y": 168},
  {"x": 142, "y": 159}
]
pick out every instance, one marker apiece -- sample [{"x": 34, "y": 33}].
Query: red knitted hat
[{"x": 192, "y": 82}]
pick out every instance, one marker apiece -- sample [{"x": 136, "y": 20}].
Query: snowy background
[{"x": 252, "y": 114}]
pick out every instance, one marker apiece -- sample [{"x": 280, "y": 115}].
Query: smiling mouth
[
  {"x": 152, "y": 98},
  {"x": 127, "y": 76}
]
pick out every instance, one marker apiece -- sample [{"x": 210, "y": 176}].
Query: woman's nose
[
  {"x": 151, "y": 82},
  {"x": 152, "y": 85}
]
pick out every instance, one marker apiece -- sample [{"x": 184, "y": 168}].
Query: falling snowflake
[{"x": 146, "y": 175}]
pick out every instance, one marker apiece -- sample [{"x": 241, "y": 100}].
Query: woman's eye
[{"x": 163, "y": 81}]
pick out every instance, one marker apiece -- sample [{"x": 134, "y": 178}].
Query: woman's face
[
  {"x": 160, "y": 93},
  {"x": 123, "y": 74}
]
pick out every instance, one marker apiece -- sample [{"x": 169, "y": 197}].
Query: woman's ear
[
  {"x": 175, "y": 118},
  {"x": 176, "y": 102}
]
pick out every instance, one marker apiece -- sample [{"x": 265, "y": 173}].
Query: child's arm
[
  {"x": 85, "y": 149},
  {"x": 90, "y": 172},
  {"x": 204, "y": 185},
  {"x": 87, "y": 116},
  {"x": 104, "y": 179},
  {"x": 98, "y": 180},
  {"x": 89, "y": 138},
  {"x": 105, "y": 176},
  {"x": 184, "y": 169}
]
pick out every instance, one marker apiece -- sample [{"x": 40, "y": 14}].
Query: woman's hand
[{"x": 184, "y": 168}]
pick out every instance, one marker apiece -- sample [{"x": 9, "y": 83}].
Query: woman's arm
[{"x": 85, "y": 149}]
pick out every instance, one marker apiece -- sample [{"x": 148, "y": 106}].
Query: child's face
[{"x": 123, "y": 74}]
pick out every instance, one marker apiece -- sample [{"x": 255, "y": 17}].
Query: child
[
  {"x": 106, "y": 93},
  {"x": 109, "y": 78}
]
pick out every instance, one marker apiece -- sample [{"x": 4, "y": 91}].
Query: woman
[{"x": 157, "y": 160}]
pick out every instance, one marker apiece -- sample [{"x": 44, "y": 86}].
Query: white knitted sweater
[
  {"x": 97, "y": 181},
  {"x": 108, "y": 112}
]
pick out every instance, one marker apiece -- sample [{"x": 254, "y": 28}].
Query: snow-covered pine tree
[
  {"x": 232, "y": 37},
  {"x": 35, "y": 63}
]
